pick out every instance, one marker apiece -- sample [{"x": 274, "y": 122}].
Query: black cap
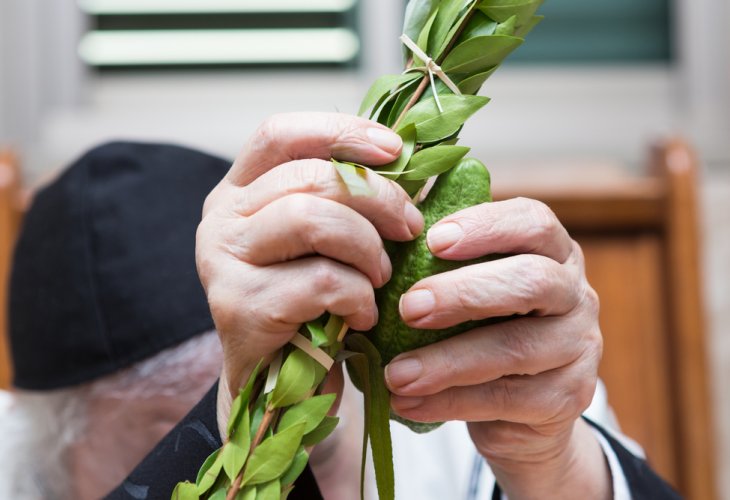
[{"x": 104, "y": 270}]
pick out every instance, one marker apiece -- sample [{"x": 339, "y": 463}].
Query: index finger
[
  {"x": 295, "y": 136},
  {"x": 513, "y": 226}
]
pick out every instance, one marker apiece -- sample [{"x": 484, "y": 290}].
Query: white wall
[{"x": 56, "y": 109}]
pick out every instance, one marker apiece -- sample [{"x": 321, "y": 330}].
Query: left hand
[{"x": 521, "y": 384}]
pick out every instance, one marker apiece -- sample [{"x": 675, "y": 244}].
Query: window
[
  {"x": 154, "y": 34},
  {"x": 600, "y": 31}
]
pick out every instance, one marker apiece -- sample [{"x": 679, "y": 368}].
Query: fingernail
[
  {"x": 414, "y": 219},
  {"x": 403, "y": 371},
  {"x": 417, "y": 304},
  {"x": 388, "y": 141},
  {"x": 386, "y": 269},
  {"x": 443, "y": 236},
  {"x": 405, "y": 403}
]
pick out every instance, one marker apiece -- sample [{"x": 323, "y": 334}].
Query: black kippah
[{"x": 104, "y": 269}]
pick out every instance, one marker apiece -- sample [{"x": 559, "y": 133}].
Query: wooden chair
[
  {"x": 641, "y": 244},
  {"x": 10, "y": 214}
]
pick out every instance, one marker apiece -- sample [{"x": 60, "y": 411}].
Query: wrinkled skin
[{"x": 282, "y": 241}]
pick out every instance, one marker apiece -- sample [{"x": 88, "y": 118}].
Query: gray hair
[{"x": 39, "y": 427}]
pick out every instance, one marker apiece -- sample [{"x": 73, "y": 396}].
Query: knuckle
[
  {"x": 300, "y": 209},
  {"x": 206, "y": 259},
  {"x": 535, "y": 278},
  {"x": 517, "y": 348},
  {"x": 224, "y": 308},
  {"x": 313, "y": 176},
  {"x": 577, "y": 251},
  {"x": 211, "y": 199},
  {"x": 573, "y": 401},
  {"x": 544, "y": 223},
  {"x": 205, "y": 263},
  {"x": 452, "y": 402},
  {"x": 389, "y": 194},
  {"x": 272, "y": 317},
  {"x": 325, "y": 278},
  {"x": 594, "y": 345},
  {"x": 469, "y": 293},
  {"x": 591, "y": 301},
  {"x": 265, "y": 135},
  {"x": 499, "y": 439},
  {"x": 584, "y": 396},
  {"x": 343, "y": 129},
  {"x": 500, "y": 393},
  {"x": 443, "y": 362}
]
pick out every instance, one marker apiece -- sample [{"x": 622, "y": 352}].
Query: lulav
[{"x": 279, "y": 413}]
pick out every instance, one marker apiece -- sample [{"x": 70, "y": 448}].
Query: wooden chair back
[
  {"x": 10, "y": 215},
  {"x": 641, "y": 244}
]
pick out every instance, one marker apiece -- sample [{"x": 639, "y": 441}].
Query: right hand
[{"x": 282, "y": 240}]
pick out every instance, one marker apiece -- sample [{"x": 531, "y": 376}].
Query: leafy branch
[{"x": 278, "y": 415}]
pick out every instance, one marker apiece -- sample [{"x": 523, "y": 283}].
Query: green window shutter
[{"x": 600, "y": 31}]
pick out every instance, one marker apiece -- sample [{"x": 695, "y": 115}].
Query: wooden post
[
  {"x": 675, "y": 161},
  {"x": 9, "y": 223}
]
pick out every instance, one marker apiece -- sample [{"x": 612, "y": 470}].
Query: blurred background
[{"x": 573, "y": 112}]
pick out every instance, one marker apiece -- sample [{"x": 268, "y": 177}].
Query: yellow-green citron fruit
[{"x": 463, "y": 186}]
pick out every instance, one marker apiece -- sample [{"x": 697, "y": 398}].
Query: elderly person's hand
[
  {"x": 522, "y": 383},
  {"x": 282, "y": 240}
]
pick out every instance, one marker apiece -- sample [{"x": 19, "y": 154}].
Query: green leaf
[
  {"x": 501, "y": 10},
  {"x": 398, "y": 106},
  {"x": 480, "y": 53},
  {"x": 285, "y": 491},
  {"x": 377, "y": 412},
  {"x": 235, "y": 451},
  {"x": 479, "y": 25},
  {"x": 247, "y": 493},
  {"x": 296, "y": 468},
  {"x": 388, "y": 101},
  {"x": 418, "y": 12},
  {"x": 317, "y": 333},
  {"x": 295, "y": 379},
  {"x": 434, "y": 161},
  {"x": 525, "y": 30},
  {"x": 422, "y": 41},
  {"x": 382, "y": 87},
  {"x": 355, "y": 178},
  {"x": 320, "y": 372},
  {"x": 242, "y": 400},
  {"x": 333, "y": 326},
  {"x": 232, "y": 461},
  {"x": 472, "y": 84},
  {"x": 466, "y": 13},
  {"x": 310, "y": 412},
  {"x": 507, "y": 27},
  {"x": 208, "y": 472},
  {"x": 185, "y": 491},
  {"x": 235, "y": 415},
  {"x": 323, "y": 430},
  {"x": 219, "y": 494},
  {"x": 398, "y": 98},
  {"x": 411, "y": 187},
  {"x": 273, "y": 456},
  {"x": 408, "y": 134},
  {"x": 257, "y": 417},
  {"x": 448, "y": 14},
  {"x": 357, "y": 365},
  {"x": 433, "y": 126},
  {"x": 269, "y": 491}
]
